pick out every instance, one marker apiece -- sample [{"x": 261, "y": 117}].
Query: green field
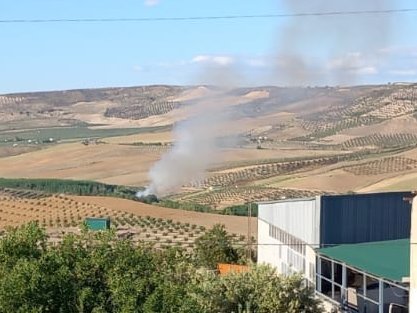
[{"x": 43, "y": 135}]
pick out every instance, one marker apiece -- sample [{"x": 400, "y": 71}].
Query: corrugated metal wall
[
  {"x": 364, "y": 217},
  {"x": 299, "y": 217},
  {"x": 268, "y": 248}
]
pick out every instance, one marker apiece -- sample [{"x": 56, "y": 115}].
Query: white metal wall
[
  {"x": 273, "y": 252},
  {"x": 268, "y": 248},
  {"x": 299, "y": 217}
]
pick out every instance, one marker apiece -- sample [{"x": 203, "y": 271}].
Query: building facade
[{"x": 290, "y": 232}]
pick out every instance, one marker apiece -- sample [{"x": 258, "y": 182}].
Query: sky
[{"x": 315, "y": 50}]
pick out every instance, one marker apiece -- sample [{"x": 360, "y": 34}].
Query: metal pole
[
  {"x": 381, "y": 296},
  {"x": 332, "y": 276},
  {"x": 249, "y": 251},
  {"x": 344, "y": 287},
  {"x": 318, "y": 274}
]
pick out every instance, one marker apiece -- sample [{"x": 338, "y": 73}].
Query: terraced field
[
  {"x": 259, "y": 172},
  {"x": 229, "y": 196},
  {"x": 383, "y": 141},
  {"x": 137, "y": 112},
  {"x": 383, "y": 166},
  {"x": 66, "y": 212},
  {"x": 17, "y": 207},
  {"x": 291, "y": 142},
  {"x": 379, "y": 105}
]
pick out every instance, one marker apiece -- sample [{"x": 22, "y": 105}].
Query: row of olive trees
[
  {"x": 94, "y": 272},
  {"x": 75, "y": 187}
]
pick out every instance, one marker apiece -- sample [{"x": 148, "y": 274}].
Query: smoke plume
[
  {"x": 195, "y": 148},
  {"x": 313, "y": 50},
  {"x": 318, "y": 50}
]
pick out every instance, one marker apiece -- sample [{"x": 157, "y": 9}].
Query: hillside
[{"x": 291, "y": 142}]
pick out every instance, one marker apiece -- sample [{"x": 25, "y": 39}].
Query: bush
[
  {"x": 188, "y": 206},
  {"x": 75, "y": 187},
  {"x": 241, "y": 210},
  {"x": 95, "y": 272},
  {"x": 214, "y": 247}
]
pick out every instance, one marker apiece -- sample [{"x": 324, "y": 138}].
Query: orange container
[{"x": 224, "y": 268}]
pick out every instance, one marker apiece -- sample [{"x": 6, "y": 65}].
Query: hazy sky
[{"x": 81, "y": 55}]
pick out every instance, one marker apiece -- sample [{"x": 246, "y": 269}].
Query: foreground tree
[
  {"x": 214, "y": 247},
  {"x": 97, "y": 273},
  {"x": 259, "y": 290}
]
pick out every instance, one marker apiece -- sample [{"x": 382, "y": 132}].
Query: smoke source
[
  {"x": 195, "y": 148},
  {"x": 311, "y": 51}
]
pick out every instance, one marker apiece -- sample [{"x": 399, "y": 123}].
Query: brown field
[
  {"x": 403, "y": 124},
  {"x": 398, "y": 183},
  {"x": 234, "y": 224},
  {"x": 64, "y": 211},
  {"x": 312, "y": 140},
  {"x": 148, "y": 138},
  {"x": 60, "y": 213},
  {"x": 106, "y": 163},
  {"x": 223, "y": 197},
  {"x": 115, "y": 163}
]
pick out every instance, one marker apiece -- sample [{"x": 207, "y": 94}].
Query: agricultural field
[
  {"x": 383, "y": 166},
  {"x": 131, "y": 219},
  {"x": 381, "y": 140},
  {"x": 287, "y": 143},
  {"x": 223, "y": 197},
  {"x": 241, "y": 176},
  {"x": 64, "y": 134}
]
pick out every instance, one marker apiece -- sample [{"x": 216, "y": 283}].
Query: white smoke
[
  {"x": 308, "y": 47},
  {"x": 194, "y": 150}
]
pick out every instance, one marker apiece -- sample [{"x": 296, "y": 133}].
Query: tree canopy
[{"x": 96, "y": 272}]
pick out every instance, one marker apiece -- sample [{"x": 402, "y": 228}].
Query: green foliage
[
  {"x": 214, "y": 247},
  {"x": 73, "y": 133},
  {"x": 96, "y": 272},
  {"x": 241, "y": 210},
  {"x": 25, "y": 242},
  {"x": 189, "y": 206},
  {"x": 75, "y": 187},
  {"x": 259, "y": 290}
]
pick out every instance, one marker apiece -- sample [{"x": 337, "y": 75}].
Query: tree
[
  {"x": 25, "y": 242},
  {"x": 214, "y": 247},
  {"x": 32, "y": 277},
  {"x": 98, "y": 273},
  {"x": 259, "y": 290}
]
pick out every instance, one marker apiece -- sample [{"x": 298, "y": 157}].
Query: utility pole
[{"x": 249, "y": 251}]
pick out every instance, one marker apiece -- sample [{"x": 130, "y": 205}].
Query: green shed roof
[{"x": 386, "y": 259}]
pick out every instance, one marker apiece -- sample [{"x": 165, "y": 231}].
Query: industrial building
[
  {"x": 326, "y": 239},
  {"x": 367, "y": 277}
]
